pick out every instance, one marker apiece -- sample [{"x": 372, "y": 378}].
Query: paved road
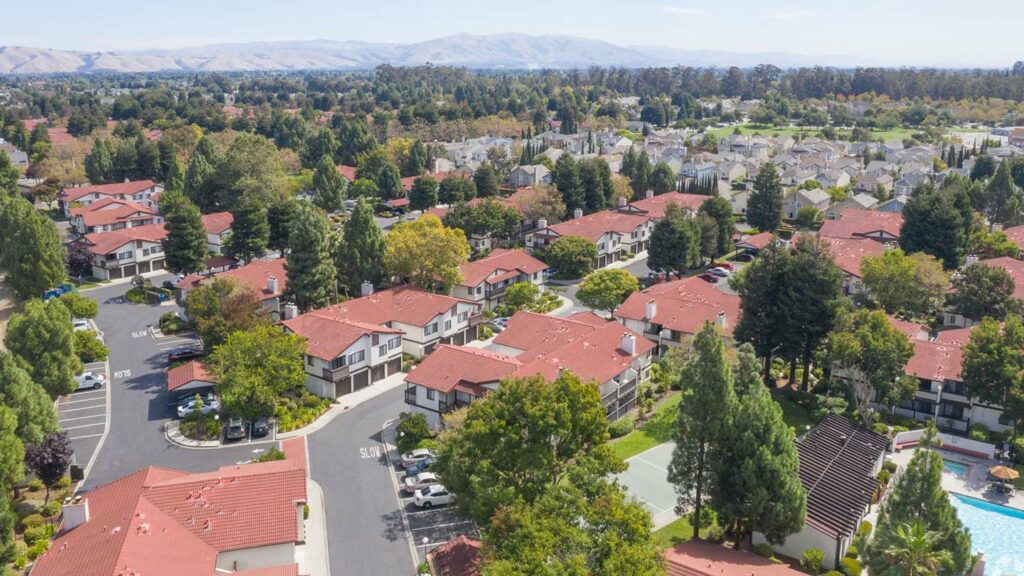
[
  {"x": 364, "y": 526},
  {"x": 138, "y": 398}
]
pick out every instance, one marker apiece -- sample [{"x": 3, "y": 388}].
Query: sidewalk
[
  {"x": 343, "y": 404},
  {"x": 313, "y": 556}
]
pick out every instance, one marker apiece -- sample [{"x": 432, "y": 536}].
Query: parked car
[
  {"x": 235, "y": 429},
  {"x": 418, "y": 467},
  {"x": 707, "y": 277},
  {"x": 207, "y": 395},
  {"x": 725, "y": 265},
  {"x": 169, "y": 285},
  {"x": 89, "y": 380},
  {"x": 743, "y": 258},
  {"x": 721, "y": 272},
  {"x": 260, "y": 427},
  {"x": 414, "y": 456},
  {"x": 182, "y": 353},
  {"x": 81, "y": 324},
  {"x": 413, "y": 483},
  {"x": 433, "y": 495},
  {"x": 188, "y": 407}
]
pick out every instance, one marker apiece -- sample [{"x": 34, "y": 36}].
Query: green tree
[
  {"x": 250, "y": 231},
  {"x": 993, "y": 365},
  {"x": 758, "y": 485},
  {"x": 256, "y": 367},
  {"x": 981, "y": 291},
  {"x": 454, "y": 189},
  {"x": 279, "y": 221},
  {"x": 426, "y": 253},
  {"x": 359, "y": 257},
  {"x": 566, "y": 178},
  {"x": 572, "y": 256},
  {"x": 423, "y": 194},
  {"x": 813, "y": 297},
  {"x": 80, "y": 306},
  {"x": 675, "y": 242},
  {"x": 330, "y": 188},
  {"x": 917, "y": 497},
  {"x": 705, "y": 418},
  {"x": 764, "y": 207},
  {"x": 312, "y": 278},
  {"x": 88, "y": 346},
  {"x": 175, "y": 181},
  {"x": 707, "y": 230},
  {"x": 49, "y": 460},
  {"x": 12, "y": 458},
  {"x": 389, "y": 182},
  {"x": 897, "y": 282},
  {"x": 870, "y": 354},
  {"x": 99, "y": 164},
  {"x": 485, "y": 180},
  {"x": 219, "y": 308},
  {"x": 488, "y": 219},
  {"x": 251, "y": 171},
  {"x": 932, "y": 224},
  {"x": 605, "y": 289},
  {"x": 662, "y": 178},
  {"x": 33, "y": 254},
  {"x": 524, "y": 438},
  {"x": 985, "y": 244},
  {"x": 416, "y": 162},
  {"x": 29, "y": 401},
  {"x": 8, "y": 176},
  {"x": 721, "y": 210},
  {"x": 521, "y": 296},
  {"x": 41, "y": 336},
  {"x": 363, "y": 188},
  {"x": 320, "y": 144},
  {"x": 764, "y": 322},
  {"x": 8, "y": 550},
  {"x": 199, "y": 182},
  {"x": 1003, "y": 199},
  {"x": 185, "y": 246}
]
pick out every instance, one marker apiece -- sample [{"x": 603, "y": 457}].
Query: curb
[
  {"x": 323, "y": 522},
  {"x": 172, "y": 436}
]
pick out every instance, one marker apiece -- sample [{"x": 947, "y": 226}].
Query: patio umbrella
[{"x": 1004, "y": 473}]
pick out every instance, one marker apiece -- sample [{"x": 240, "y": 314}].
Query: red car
[
  {"x": 709, "y": 278},
  {"x": 725, "y": 265}
]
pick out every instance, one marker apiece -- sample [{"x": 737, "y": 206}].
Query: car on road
[
  {"x": 260, "y": 427},
  {"x": 413, "y": 456},
  {"x": 169, "y": 285},
  {"x": 235, "y": 430},
  {"x": 182, "y": 353},
  {"x": 721, "y": 272},
  {"x": 418, "y": 467},
  {"x": 189, "y": 406},
  {"x": 433, "y": 495},
  {"x": 413, "y": 483},
  {"x": 89, "y": 380},
  {"x": 708, "y": 277}
]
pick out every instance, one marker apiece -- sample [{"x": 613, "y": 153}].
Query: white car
[
  {"x": 81, "y": 324},
  {"x": 414, "y": 456},
  {"x": 433, "y": 495},
  {"x": 186, "y": 408},
  {"x": 722, "y": 272},
  {"x": 418, "y": 482},
  {"x": 87, "y": 380}
]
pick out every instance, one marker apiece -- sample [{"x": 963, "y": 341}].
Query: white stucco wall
[{"x": 261, "y": 557}]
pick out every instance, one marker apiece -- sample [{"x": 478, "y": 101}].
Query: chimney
[
  {"x": 621, "y": 202},
  {"x": 366, "y": 289},
  {"x": 577, "y": 213},
  {"x": 75, "y": 514},
  {"x": 651, "y": 310},
  {"x": 628, "y": 344},
  {"x": 272, "y": 285},
  {"x": 542, "y": 223},
  {"x": 649, "y": 194},
  {"x": 721, "y": 321},
  {"x": 290, "y": 311}
]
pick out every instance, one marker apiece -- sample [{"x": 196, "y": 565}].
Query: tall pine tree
[
  {"x": 250, "y": 231},
  {"x": 185, "y": 244},
  {"x": 764, "y": 206},
  {"x": 329, "y": 186},
  {"x": 311, "y": 272},
  {"x": 359, "y": 256}
]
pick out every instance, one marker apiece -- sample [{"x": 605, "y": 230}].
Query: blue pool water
[
  {"x": 954, "y": 467},
  {"x": 995, "y": 530}
]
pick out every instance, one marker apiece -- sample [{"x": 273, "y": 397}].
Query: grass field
[
  {"x": 795, "y": 415},
  {"x": 679, "y": 531},
  {"x": 888, "y": 135},
  {"x": 657, "y": 430}
]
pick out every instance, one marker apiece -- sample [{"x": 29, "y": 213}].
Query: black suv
[
  {"x": 182, "y": 353},
  {"x": 260, "y": 427}
]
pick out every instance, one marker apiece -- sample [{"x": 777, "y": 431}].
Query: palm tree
[{"x": 914, "y": 551}]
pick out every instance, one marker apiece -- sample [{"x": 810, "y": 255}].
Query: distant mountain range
[{"x": 500, "y": 51}]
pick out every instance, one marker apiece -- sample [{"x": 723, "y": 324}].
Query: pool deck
[{"x": 975, "y": 484}]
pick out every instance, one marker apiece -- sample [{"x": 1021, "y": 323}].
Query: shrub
[
  {"x": 484, "y": 332},
  {"x": 52, "y": 508},
  {"x": 305, "y": 511},
  {"x": 811, "y": 560},
  {"x": 897, "y": 429},
  {"x": 864, "y": 528},
  {"x": 884, "y": 476},
  {"x": 89, "y": 348},
  {"x": 135, "y": 295},
  {"x": 32, "y": 521},
  {"x": 171, "y": 323},
  {"x": 833, "y": 573},
  {"x": 852, "y": 552},
  {"x": 37, "y": 533},
  {"x": 428, "y": 444},
  {"x": 978, "y": 432},
  {"x": 271, "y": 455},
  {"x": 20, "y": 555},
  {"x": 715, "y": 533},
  {"x": 311, "y": 400},
  {"x": 37, "y": 549},
  {"x": 63, "y": 483},
  {"x": 880, "y": 428},
  {"x": 891, "y": 467},
  {"x": 412, "y": 427},
  {"x": 850, "y": 566},
  {"x": 621, "y": 427},
  {"x": 763, "y": 549},
  {"x": 35, "y": 485}
]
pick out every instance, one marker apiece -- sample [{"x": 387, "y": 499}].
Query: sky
[{"x": 892, "y": 32}]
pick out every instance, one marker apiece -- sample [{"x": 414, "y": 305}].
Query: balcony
[
  {"x": 410, "y": 395},
  {"x": 475, "y": 319},
  {"x": 337, "y": 374}
]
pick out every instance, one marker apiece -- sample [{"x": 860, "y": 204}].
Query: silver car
[
  {"x": 413, "y": 483},
  {"x": 414, "y": 456}
]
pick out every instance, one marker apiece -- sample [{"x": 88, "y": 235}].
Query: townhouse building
[
  {"x": 143, "y": 192},
  {"x": 615, "y": 234},
  {"x": 107, "y": 214},
  {"x": 484, "y": 281}
]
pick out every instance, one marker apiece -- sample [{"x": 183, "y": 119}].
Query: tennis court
[{"x": 647, "y": 480}]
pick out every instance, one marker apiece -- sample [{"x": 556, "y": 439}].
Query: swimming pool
[
  {"x": 995, "y": 530},
  {"x": 952, "y": 467}
]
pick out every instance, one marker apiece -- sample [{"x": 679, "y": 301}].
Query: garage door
[
  {"x": 394, "y": 366},
  {"x": 378, "y": 373},
  {"x": 130, "y": 270},
  {"x": 115, "y": 273},
  {"x": 361, "y": 380},
  {"x": 158, "y": 264},
  {"x": 343, "y": 386},
  {"x": 459, "y": 339}
]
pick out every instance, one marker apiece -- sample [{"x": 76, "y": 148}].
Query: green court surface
[{"x": 647, "y": 480}]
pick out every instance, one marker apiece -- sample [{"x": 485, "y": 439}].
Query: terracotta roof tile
[
  {"x": 349, "y": 172},
  {"x": 528, "y": 331},
  {"x": 450, "y": 366},
  {"x": 1016, "y": 235},
  {"x": 596, "y": 356},
  {"x": 849, "y": 253},
  {"x": 683, "y": 306},
  {"x": 404, "y": 304},
  {"x": 655, "y": 206},
  {"x": 457, "y": 557},
  {"x": 955, "y": 337},
  {"x": 593, "y": 226},
  {"x": 497, "y": 263},
  {"x": 256, "y": 275},
  {"x": 117, "y": 189},
  {"x": 702, "y": 558},
  {"x": 106, "y": 242},
  {"x": 853, "y": 222},
  {"x": 191, "y": 371},
  {"x": 217, "y": 222},
  {"x": 757, "y": 241},
  {"x": 935, "y": 361},
  {"x": 111, "y": 211},
  {"x": 328, "y": 335},
  {"x": 1013, "y": 267},
  {"x": 282, "y": 570}
]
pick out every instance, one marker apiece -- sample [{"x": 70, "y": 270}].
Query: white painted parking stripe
[
  {"x": 80, "y": 418},
  {"x": 427, "y": 511},
  {"x": 84, "y": 426},
  {"x": 84, "y": 408},
  {"x": 441, "y": 525},
  {"x": 86, "y": 436},
  {"x": 78, "y": 401}
]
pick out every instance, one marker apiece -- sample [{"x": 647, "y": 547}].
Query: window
[
  {"x": 430, "y": 394},
  {"x": 156, "y": 249},
  {"x": 338, "y": 362},
  {"x": 952, "y": 411},
  {"x": 309, "y": 360},
  {"x": 145, "y": 251},
  {"x": 447, "y": 325},
  {"x": 356, "y": 357},
  {"x": 382, "y": 349},
  {"x": 463, "y": 317},
  {"x": 479, "y": 290},
  {"x": 124, "y": 255},
  {"x": 600, "y": 246},
  {"x": 430, "y": 329},
  {"x": 395, "y": 343}
]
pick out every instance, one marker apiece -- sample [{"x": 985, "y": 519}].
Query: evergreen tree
[
  {"x": 8, "y": 519},
  {"x": 185, "y": 245},
  {"x": 12, "y": 462},
  {"x": 702, "y": 427},
  {"x": 199, "y": 182},
  {"x": 148, "y": 159},
  {"x": 8, "y": 176},
  {"x": 311, "y": 273},
  {"x": 416, "y": 162},
  {"x": 389, "y": 182},
  {"x": 763, "y": 321},
  {"x": 593, "y": 185},
  {"x": 721, "y": 210},
  {"x": 329, "y": 186},
  {"x": 321, "y": 143},
  {"x": 675, "y": 244},
  {"x": 359, "y": 258},
  {"x": 33, "y": 254},
  {"x": 641, "y": 178},
  {"x": 279, "y": 220},
  {"x": 567, "y": 180},
  {"x": 932, "y": 224},
  {"x": 99, "y": 164},
  {"x": 662, "y": 178},
  {"x": 250, "y": 231},
  {"x": 33, "y": 407},
  {"x": 423, "y": 194},
  {"x": 454, "y": 189},
  {"x": 1005, "y": 204},
  {"x": 486, "y": 180},
  {"x": 764, "y": 206},
  {"x": 175, "y": 180},
  {"x": 43, "y": 339},
  {"x": 811, "y": 302}
]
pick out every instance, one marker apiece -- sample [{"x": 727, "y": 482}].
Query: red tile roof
[
  {"x": 528, "y": 331},
  {"x": 596, "y": 356},
  {"x": 404, "y": 304},
  {"x": 120, "y": 189},
  {"x": 593, "y": 226},
  {"x": 217, "y": 222},
  {"x": 935, "y": 361},
  {"x": 955, "y": 337},
  {"x": 853, "y": 222},
  {"x": 282, "y": 570},
  {"x": 256, "y": 275},
  {"x": 190, "y": 371},
  {"x": 757, "y": 241},
  {"x": 450, "y": 366},
  {"x": 111, "y": 211},
  {"x": 457, "y": 557},
  {"x": 165, "y": 522},
  {"x": 849, "y": 253},
  {"x": 911, "y": 329},
  {"x": 348, "y": 172},
  {"x": 106, "y": 242},
  {"x": 683, "y": 306},
  {"x": 328, "y": 335},
  {"x": 1013, "y": 267},
  {"x": 655, "y": 206},
  {"x": 1016, "y": 235},
  {"x": 702, "y": 558},
  {"x": 498, "y": 262}
]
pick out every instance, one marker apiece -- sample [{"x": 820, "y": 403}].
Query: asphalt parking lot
[
  {"x": 429, "y": 528},
  {"x": 84, "y": 414}
]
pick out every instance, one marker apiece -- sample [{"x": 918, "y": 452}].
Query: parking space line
[
  {"x": 84, "y": 437},
  {"x": 59, "y": 420},
  {"x": 413, "y": 550},
  {"x": 443, "y": 525},
  {"x": 85, "y": 426},
  {"x": 84, "y": 408},
  {"x": 76, "y": 401},
  {"x": 651, "y": 464}
]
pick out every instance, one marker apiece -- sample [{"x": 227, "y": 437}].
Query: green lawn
[
  {"x": 796, "y": 416},
  {"x": 895, "y": 134},
  {"x": 657, "y": 430},
  {"x": 679, "y": 531}
]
